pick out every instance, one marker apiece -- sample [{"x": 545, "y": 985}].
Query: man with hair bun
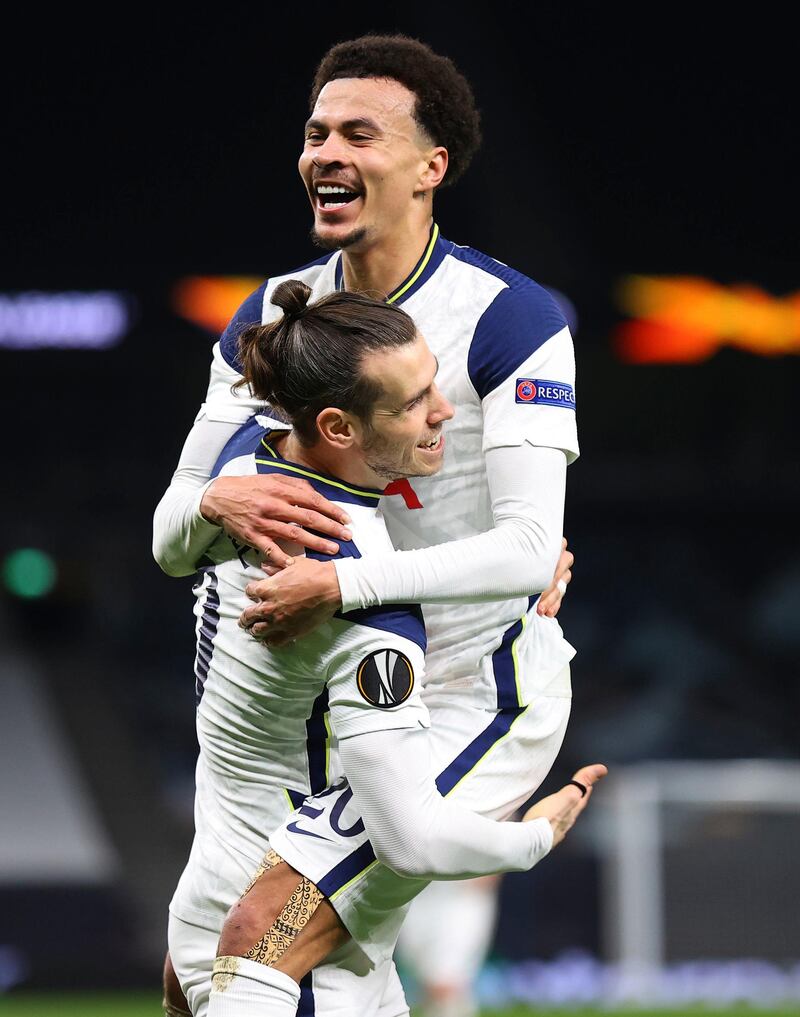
[
  {"x": 275, "y": 725},
  {"x": 390, "y": 123}
]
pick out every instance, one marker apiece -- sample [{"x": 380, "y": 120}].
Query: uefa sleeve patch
[
  {"x": 385, "y": 678},
  {"x": 545, "y": 393}
]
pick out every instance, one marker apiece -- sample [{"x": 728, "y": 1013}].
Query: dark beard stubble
[{"x": 329, "y": 245}]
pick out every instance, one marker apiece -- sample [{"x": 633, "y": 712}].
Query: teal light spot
[{"x": 29, "y": 573}]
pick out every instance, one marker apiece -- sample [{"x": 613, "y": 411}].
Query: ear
[
  {"x": 436, "y": 166},
  {"x": 336, "y": 428}
]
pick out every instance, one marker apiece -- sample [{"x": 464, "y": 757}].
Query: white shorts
[
  {"x": 342, "y": 987},
  {"x": 490, "y": 762}
]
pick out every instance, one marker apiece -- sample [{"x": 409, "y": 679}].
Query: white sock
[{"x": 245, "y": 988}]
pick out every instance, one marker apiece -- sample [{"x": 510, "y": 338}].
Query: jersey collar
[
  {"x": 432, "y": 257},
  {"x": 269, "y": 461}
]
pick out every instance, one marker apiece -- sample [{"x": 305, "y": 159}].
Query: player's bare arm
[
  {"x": 265, "y": 925},
  {"x": 262, "y": 510}
]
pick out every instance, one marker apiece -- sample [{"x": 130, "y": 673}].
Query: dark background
[{"x": 633, "y": 140}]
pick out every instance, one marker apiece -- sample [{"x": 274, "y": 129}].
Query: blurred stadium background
[{"x": 641, "y": 171}]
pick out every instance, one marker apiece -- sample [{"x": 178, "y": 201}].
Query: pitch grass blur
[{"x": 149, "y": 1005}]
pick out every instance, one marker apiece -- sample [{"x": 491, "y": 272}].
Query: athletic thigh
[{"x": 491, "y": 763}]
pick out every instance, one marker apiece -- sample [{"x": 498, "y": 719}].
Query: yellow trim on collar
[
  {"x": 316, "y": 476},
  {"x": 425, "y": 259}
]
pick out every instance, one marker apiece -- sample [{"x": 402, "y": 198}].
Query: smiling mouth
[
  {"x": 433, "y": 445},
  {"x": 331, "y": 197}
]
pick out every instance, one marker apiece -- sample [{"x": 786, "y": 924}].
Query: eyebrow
[{"x": 347, "y": 125}]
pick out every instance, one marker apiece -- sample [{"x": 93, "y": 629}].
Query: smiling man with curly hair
[{"x": 391, "y": 122}]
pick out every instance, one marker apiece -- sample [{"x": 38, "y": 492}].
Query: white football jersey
[
  {"x": 268, "y": 721},
  {"x": 506, "y": 362}
]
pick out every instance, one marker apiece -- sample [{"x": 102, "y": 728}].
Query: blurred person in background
[
  {"x": 444, "y": 942},
  {"x": 391, "y": 123}
]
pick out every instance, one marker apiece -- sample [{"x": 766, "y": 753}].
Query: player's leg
[
  {"x": 281, "y": 929},
  {"x": 492, "y": 762},
  {"x": 191, "y": 954},
  {"x": 174, "y": 1002},
  {"x": 262, "y": 958}
]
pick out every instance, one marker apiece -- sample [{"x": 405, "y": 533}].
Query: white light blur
[{"x": 88, "y": 321}]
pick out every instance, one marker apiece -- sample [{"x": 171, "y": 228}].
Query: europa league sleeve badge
[{"x": 385, "y": 678}]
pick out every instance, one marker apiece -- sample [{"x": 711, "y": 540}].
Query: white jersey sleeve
[
  {"x": 521, "y": 364},
  {"x": 180, "y": 533},
  {"x": 374, "y": 684},
  {"x": 527, "y": 485},
  {"x": 418, "y": 833}
]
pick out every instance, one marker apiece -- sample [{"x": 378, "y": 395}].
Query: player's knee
[{"x": 245, "y": 924}]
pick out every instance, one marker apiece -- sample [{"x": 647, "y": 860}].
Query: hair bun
[{"x": 292, "y": 297}]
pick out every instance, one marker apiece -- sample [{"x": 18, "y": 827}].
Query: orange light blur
[
  {"x": 685, "y": 319},
  {"x": 210, "y": 301}
]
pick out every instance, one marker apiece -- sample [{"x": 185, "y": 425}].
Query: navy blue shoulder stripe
[
  {"x": 246, "y": 440},
  {"x": 520, "y": 319},
  {"x": 248, "y": 314},
  {"x": 400, "y": 619},
  {"x": 251, "y": 312}
]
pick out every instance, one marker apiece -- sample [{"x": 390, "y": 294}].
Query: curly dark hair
[{"x": 445, "y": 107}]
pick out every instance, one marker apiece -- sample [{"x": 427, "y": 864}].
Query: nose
[
  {"x": 441, "y": 408},
  {"x": 330, "y": 151}
]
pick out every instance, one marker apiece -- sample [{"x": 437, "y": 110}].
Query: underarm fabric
[
  {"x": 418, "y": 833},
  {"x": 527, "y": 484}
]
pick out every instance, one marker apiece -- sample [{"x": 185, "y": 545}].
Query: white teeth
[
  {"x": 333, "y": 190},
  {"x": 333, "y": 204}
]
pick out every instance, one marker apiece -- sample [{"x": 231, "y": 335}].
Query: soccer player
[
  {"x": 391, "y": 123},
  {"x": 338, "y": 370}
]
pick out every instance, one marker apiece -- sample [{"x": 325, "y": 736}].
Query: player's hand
[
  {"x": 292, "y": 603},
  {"x": 261, "y": 510},
  {"x": 550, "y": 601},
  {"x": 564, "y": 807}
]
